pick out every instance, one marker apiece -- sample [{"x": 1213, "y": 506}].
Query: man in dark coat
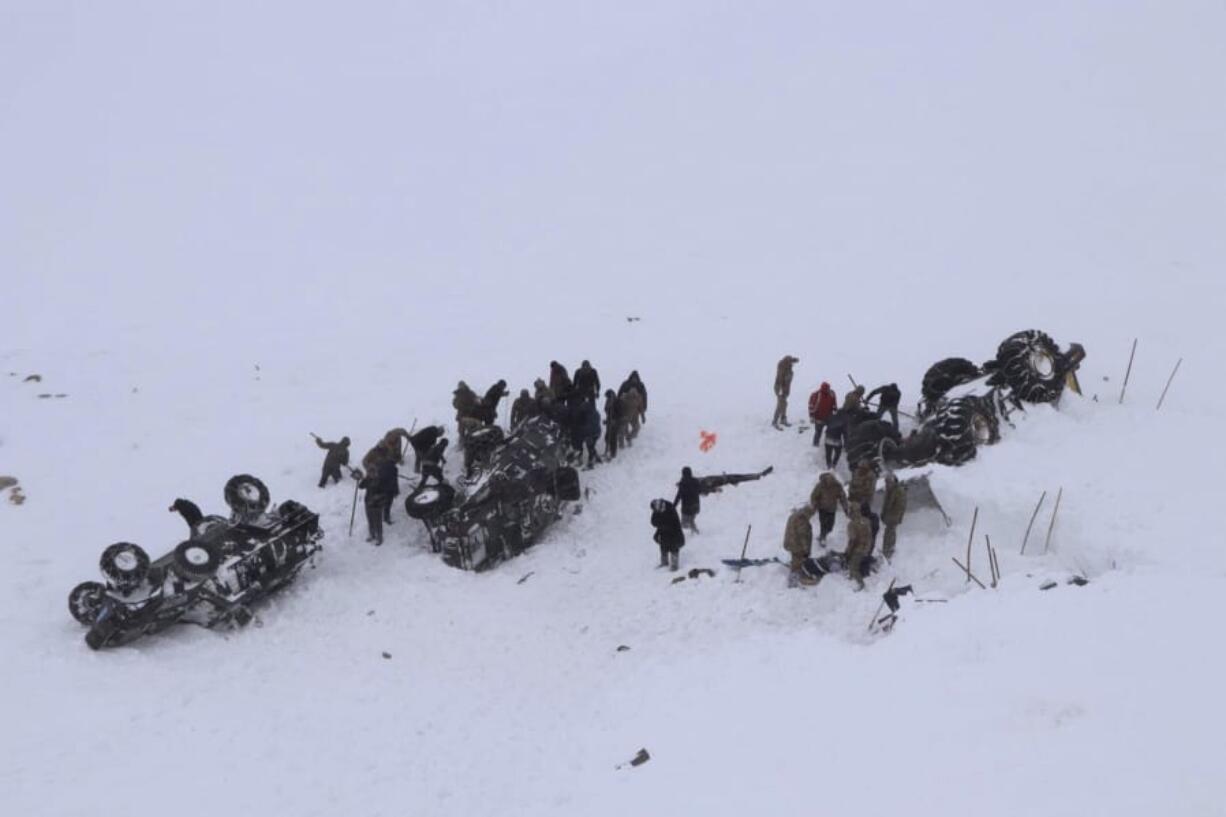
[
  {"x": 422, "y": 441},
  {"x": 559, "y": 381},
  {"x": 388, "y": 477},
  {"x": 689, "y": 493},
  {"x": 589, "y": 429},
  {"x": 612, "y": 422},
  {"x": 381, "y": 486},
  {"x": 890, "y": 397},
  {"x": 836, "y": 432},
  {"x": 487, "y": 410},
  {"x": 669, "y": 535},
  {"x": 464, "y": 400},
  {"x": 432, "y": 463},
  {"x": 334, "y": 460},
  {"x": 587, "y": 381}
]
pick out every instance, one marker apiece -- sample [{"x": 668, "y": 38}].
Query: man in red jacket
[{"x": 822, "y": 404}]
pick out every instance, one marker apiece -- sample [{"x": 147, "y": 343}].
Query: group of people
[
  {"x": 569, "y": 402},
  {"x": 863, "y": 524},
  {"x": 825, "y": 413}
]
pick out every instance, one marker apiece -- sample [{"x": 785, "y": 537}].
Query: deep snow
[{"x": 222, "y": 231}]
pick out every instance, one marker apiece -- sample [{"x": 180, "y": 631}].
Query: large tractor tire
[
  {"x": 85, "y": 601},
  {"x": 961, "y": 426},
  {"x": 197, "y": 559},
  {"x": 864, "y": 441},
  {"x": 1032, "y": 366},
  {"x": 429, "y": 502},
  {"x": 247, "y": 496},
  {"x": 941, "y": 377},
  {"x": 124, "y": 565}
]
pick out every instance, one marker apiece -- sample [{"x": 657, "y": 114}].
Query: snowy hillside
[{"x": 220, "y": 231}]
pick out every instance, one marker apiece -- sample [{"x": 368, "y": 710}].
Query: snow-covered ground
[{"x": 222, "y": 230}]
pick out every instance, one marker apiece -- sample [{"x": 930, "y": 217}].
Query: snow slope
[{"x": 221, "y": 231}]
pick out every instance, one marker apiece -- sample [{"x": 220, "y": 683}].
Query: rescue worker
[
  {"x": 391, "y": 441},
  {"x": 836, "y": 433},
  {"x": 589, "y": 429},
  {"x": 668, "y": 535},
  {"x": 587, "y": 381},
  {"x": 432, "y": 463},
  {"x": 874, "y": 523},
  {"x": 689, "y": 493},
  {"x": 487, "y": 409},
  {"x": 422, "y": 442},
  {"x": 827, "y": 497},
  {"x": 464, "y": 400},
  {"x": 783, "y": 389},
  {"x": 798, "y": 541},
  {"x": 381, "y": 486},
  {"x": 635, "y": 382},
  {"x": 863, "y": 484},
  {"x": 612, "y": 423},
  {"x": 859, "y": 546},
  {"x": 336, "y": 458},
  {"x": 854, "y": 399},
  {"x": 893, "y": 508},
  {"x": 632, "y": 412},
  {"x": 523, "y": 408},
  {"x": 822, "y": 404},
  {"x": 889, "y": 399},
  {"x": 376, "y": 455},
  {"x": 559, "y": 381}
]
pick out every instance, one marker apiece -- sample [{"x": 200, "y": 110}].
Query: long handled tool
[
  {"x": 354, "y": 510},
  {"x": 744, "y": 550}
]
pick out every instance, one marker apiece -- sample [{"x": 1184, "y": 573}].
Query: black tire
[
  {"x": 124, "y": 565},
  {"x": 197, "y": 559},
  {"x": 943, "y": 376},
  {"x": 289, "y": 508},
  {"x": 1032, "y": 366},
  {"x": 85, "y": 601},
  {"x": 566, "y": 484},
  {"x": 429, "y": 502},
  {"x": 961, "y": 426},
  {"x": 246, "y": 495}
]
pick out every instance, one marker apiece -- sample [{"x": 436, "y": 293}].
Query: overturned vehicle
[
  {"x": 211, "y": 579},
  {"x": 965, "y": 405},
  {"x": 520, "y": 488}
]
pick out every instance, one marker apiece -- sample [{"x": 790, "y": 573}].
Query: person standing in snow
[
  {"x": 863, "y": 484},
  {"x": 612, "y": 423},
  {"x": 668, "y": 535},
  {"x": 890, "y": 397},
  {"x": 853, "y": 401},
  {"x": 822, "y": 404},
  {"x": 336, "y": 458},
  {"x": 523, "y": 408},
  {"x": 689, "y": 493},
  {"x": 487, "y": 410},
  {"x": 432, "y": 463},
  {"x": 422, "y": 442},
  {"x": 893, "y": 507},
  {"x": 859, "y": 546},
  {"x": 636, "y": 383},
  {"x": 381, "y": 486},
  {"x": 631, "y": 407},
  {"x": 798, "y": 541},
  {"x": 587, "y": 381},
  {"x": 589, "y": 424},
  {"x": 827, "y": 497},
  {"x": 465, "y": 401},
  {"x": 559, "y": 382},
  {"x": 783, "y": 389},
  {"x": 836, "y": 432}
]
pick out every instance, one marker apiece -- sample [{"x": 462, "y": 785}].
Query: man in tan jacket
[
  {"x": 859, "y": 546},
  {"x": 798, "y": 541},
  {"x": 783, "y": 389}
]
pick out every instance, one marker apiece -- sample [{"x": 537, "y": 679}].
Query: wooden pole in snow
[
  {"x": 1168, "y": 383},
  {"x": 1033, "y": 517},
  {"x": 968, "y": 572},
  {"x": 1052, "y": 525},
  {"x": 744, "y": 550},
  {"x": 1128, "y": 373},
  {"x": 987, "y": 542},
  {"x": 969, "y": 540}
]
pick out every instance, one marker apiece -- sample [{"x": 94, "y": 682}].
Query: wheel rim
[
  {"x": 981, "y": 430},
  {"x": 426, "y": 497},
  {"x": 249, "y": 493},
  {"x": 126, "y": 561},
  {"x": 197, "y": 557},
  {"x": 1042, "y": 363}
]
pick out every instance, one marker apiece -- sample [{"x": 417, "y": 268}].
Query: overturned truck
[
  {"x": 522, "y": 484},
  {"x": 965, "y": 404},
  {"x": 211, "y": 579}
]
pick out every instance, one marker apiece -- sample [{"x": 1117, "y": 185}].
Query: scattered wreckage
[
  {"x": 211, "y": 579},
  {"x": 964, "y": 405}
]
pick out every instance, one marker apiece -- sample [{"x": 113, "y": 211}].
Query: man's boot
[
  {"x": 663, "y": 558},
  {"x": 674, "y": 560}
]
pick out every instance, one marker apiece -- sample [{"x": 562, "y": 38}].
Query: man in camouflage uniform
[
  {"x": 893, "y": 507},
  {"x": 859, "y": 546},
  {"x": 465, "y": 401},
  {"x": 631, "y": 414},
  {"x": 391, "y": 441},
  {"x": 798, "y": 541},
  {"x": 783, "y": 389},
  {"x": 863, "y": 484},
  {"x": 523, "y": 408},
  {"x": 854, "y": 399},
  {"x": 827, "y": 497}
]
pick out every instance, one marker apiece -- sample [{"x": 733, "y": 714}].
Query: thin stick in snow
[
  {"x": 1168, "y": 383},
  {"x": 873, "y": 620},
  {"x": 744, "y": 550},
  {"x": 987, "y": 542},
  {"x": 1129, "y": 372},
  {"x": 968, "y": 572},
  {"x": 1033, "y": 517},
  {"x": 969, "y": 540},
  {"x": 1052, "y": 525}
]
